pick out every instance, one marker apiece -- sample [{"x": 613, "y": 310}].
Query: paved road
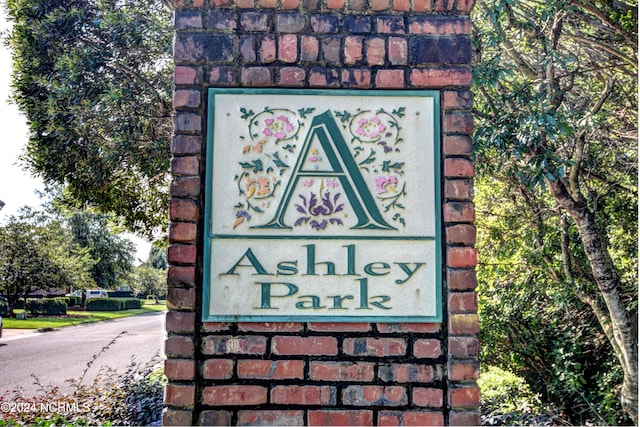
[{"x": 53, "y": 357}]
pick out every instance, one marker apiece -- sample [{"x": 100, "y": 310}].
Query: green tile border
[{"x": 209, "y": 238}]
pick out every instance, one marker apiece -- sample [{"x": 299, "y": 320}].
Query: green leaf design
[
  {"x": 345, "y": 116},
  {"x": 279, "y": 163},
  {"x": 246, "y": 114},
  {"x": 256, "y": 165},
  {"x": 399, "y": 112},
  {"x": 387, "y": 166},
  {"x": 304, "y": 111}
]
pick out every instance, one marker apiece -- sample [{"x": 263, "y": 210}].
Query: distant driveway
[{"x": 56, "y": 356}]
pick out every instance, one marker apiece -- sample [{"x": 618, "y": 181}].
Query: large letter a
[{"x": 325, "y": 132}]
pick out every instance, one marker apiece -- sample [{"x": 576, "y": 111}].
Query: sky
[{"x": 17, "y": 187}]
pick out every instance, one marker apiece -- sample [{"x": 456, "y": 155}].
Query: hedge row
[
  {"x": 113, "y": 304},
  {"x": 131, "y": 303},
  {"x": 47, "y": 306},
  {"x": 4, "y": 307},
  {"x": 58, "y": 306},
  {"x": 71, "y": 301}
]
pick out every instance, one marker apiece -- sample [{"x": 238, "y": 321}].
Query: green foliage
[
  {"x": 42, "y": 250},
  {"x": 532, "y": 323},
  {"x": 149, "y": 281},
  {"x": 556, "y": 150},
  {"x": 47, "y": 306},
  {"x": 94, "y": 81},
  {"x": 131, "y": 303},
  {"x": 113, "y": 254},
  {"x": 4, "y": 307},
  {"x": 505, "y": 392},
  {"x": 36, "y": 252},
  {"x": 158, "y": 257},
  {"x": 78, "y": 317},
  {"x": 508, "y": 400},
  {"x": 132, "y": 397},
  {"x": 104, "y": 304},
  {"x": 546, "y": 87}
]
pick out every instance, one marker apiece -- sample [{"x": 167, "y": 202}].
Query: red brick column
[{"x": 321, "y": 373}]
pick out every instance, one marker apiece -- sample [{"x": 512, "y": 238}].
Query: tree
[
  {"x": 93, "y": 78},
  {"x": 36, "y": 252},
  {"x": 556, "y": 112},
  {"x": 148, "y": 280},
  {"x": 532, "y": 323},
  {"x": 113, "y": 254},
  {"x": 158, "y": 257}
]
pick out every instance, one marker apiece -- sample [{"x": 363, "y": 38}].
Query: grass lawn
[{"x": 75, "y": 317}]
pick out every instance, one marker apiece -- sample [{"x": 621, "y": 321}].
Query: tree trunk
[{"x": 623, "y": 339}]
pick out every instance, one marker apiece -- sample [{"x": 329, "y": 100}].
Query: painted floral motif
[
  {"x": 259, "y": 186},
  {"x": 270, "y": 147},
  {"x": 257, "y": 147},
  {"x": 274, "y": 125},
  {"x": 319, "y": 212},
  {"x": 386, "y": 184},
  {"x": 332, "y": 183},
  {"x": 241, "y": 215},
  {"x": 370, "y": 127},
  {"x": 314, "y": 159},
  {"x": 376, "y": 144},
  {"x": 264, "y": 162},
  {"x": 373, "y": 127},
  {"x": 279, "y": 128}
]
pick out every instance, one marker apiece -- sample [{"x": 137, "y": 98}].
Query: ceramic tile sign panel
[{"x": 322, "y": 206}]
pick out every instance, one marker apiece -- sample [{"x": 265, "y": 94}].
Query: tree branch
[
  {"x": 628, "y": 60},
  {"x": 513, "y": 53},
  {"x": 593, "y": 10},
  {"x": 578, "y": 156}
]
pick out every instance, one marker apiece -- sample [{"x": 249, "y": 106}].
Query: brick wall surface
[{"x": 321, "y": 373}]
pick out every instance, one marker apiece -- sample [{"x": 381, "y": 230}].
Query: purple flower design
[
  {"x": 316, "y": 211},
  {"x": 387, "y": 148},
  {"x": 240, "y": 217},
  {"x": 243, "y": 214}
]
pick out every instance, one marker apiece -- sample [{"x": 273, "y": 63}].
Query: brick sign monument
[{"x": 322, "y": 268}]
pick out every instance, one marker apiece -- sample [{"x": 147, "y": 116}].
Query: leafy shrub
[
  {"x": 119, "y": 294},
  {"x": 4, "y": 307},
  {"x": 131, "y": 303},
  {"x": 104, "y": 304},
  {"x": 74, "y": 301},
  {"x": 508, "y": 400},
  {"x": 47, "y": 306},
  {"x": 132, "y": 397}
]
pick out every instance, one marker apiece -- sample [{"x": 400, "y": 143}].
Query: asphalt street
[{"x": 57, "y": 356}]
